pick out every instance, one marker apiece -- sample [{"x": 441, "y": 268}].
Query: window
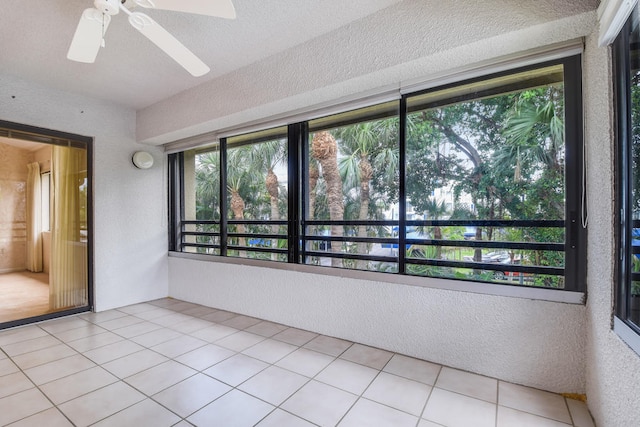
[
  {"x": 626, "y": 55},
  {"x": 243, "y": 211},
  {"x": 478, "y": 181}
]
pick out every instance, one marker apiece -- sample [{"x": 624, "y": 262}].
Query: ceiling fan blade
[
  {"x": 219, "y": 8},
  {"x": 88, "y": 37},
  {"x": 169, "y": 44}
]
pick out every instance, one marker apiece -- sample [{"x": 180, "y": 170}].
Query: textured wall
[
  {"x": 410, "y": 40},
  {"x": 536, "y": 343},
  {"x": 13, "y": 207},
  {"x": 129, "y": 204},
  {"x": 613, "y": 369}
]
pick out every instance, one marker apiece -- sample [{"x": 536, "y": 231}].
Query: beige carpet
[{"x": 23, "y": 294}]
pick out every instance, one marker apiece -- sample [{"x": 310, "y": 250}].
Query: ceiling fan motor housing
[{"x": 108, "y": 7}]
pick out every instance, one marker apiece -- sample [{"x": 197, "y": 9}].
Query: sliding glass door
[{"x": 45, "y": 224}]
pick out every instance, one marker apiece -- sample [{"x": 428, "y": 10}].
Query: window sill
[
  {"x": 626, "y": 334},
  {"x": 513, "y": 291}
]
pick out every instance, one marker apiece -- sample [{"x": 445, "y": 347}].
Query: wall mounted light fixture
[{"x": 142, "y": 159}]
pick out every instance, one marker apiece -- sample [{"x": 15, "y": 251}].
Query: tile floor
[{"x": 173, "y": 363}]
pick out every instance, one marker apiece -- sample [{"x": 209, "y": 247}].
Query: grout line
[{"x": 186, "y": 306}]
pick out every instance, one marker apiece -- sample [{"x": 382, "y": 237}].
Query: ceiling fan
[{"x": 89, "y": 35}]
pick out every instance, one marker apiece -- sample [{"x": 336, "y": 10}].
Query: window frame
[
  {"x": 624, "y": 224},
  {"x": 298, "y": 134}
]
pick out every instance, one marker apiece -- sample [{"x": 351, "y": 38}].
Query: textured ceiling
[{"x": 130, "y": 70}]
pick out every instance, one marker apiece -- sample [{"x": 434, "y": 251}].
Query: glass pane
[
  {"x": 491, "y": 150},
  {"x": 353, "y": 176},
  {"x": 257, "y": 177},
  {"x": 44, "y": 234},
  {"x": 202, "y": 200},
  {"x": 633, "y": 291}
]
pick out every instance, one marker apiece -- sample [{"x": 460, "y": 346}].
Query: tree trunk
[
  {"x": 273, "y": 190},
  {"x": 325, "y": 150},
  {"x": 237, "y": 207},
  {"x": 366, "y": 172},
  {"x": 437, "y": 235},
  {"x": 477, "y": 254}
]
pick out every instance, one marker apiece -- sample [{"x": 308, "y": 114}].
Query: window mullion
[
  {"x": 402, "y": 196},
  {"x": 296, "y": 191},
  {"x": 575, "y": 235},
  {"x": 223, "y": 197}
]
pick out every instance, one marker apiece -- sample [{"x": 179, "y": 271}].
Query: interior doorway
[{"x": 45, "y": 224}]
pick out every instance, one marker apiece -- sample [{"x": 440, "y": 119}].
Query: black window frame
[
  {"x": 625, "y": 223},
  {"x": 298, "y": 134}
]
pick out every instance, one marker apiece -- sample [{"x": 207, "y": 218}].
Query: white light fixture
[{"x": 142, "y": 159}]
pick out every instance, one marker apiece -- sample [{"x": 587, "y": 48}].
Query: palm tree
[
  {"x": 436, "y": 210},
  {"x": 325, "y": 150},
  {"x": 363, "y": 143},
  {"x": 267, "y": 156},
  {"x": 208, "y": 185},
  {"x": 238, "y": 179}
]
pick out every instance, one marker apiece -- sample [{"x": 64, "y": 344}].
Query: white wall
[
  {"x": 613, "y": 369},
  {"x": 129, "y": 204},
  {"x": 529, "y": 342},
  {"x": 535, "y": 343},
  {"x": 411, "y": 40}
]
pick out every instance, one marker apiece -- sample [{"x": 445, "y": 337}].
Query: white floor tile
[
  {"x": 40, "y": 357},
  {"x": 240, "y": 341},
  {"x": 214, "y": 333},
  {"x": 76, "y": 385},
  {"x": 174, "y": 363},
  {"x": 455, "y": 410},
  {"x": 236, "y": 370},
  {"x": 280, "y": 418},
  {"x": 399, "y": 393},
  {"x": 58, "y": 369},
  {"x": 192, "y": 394},
  {"x": 580, "y": 413},
  {"x": 102, "y": 403},
  {"x": 94, "y": 341},
  {"x": 134, "y": 363},
  {"x": 273, "y": 385},
  {"x": 537, "y": 402},
  {"x": 368, "y": 356},
  {"x": 51, "y": 417},
  {"x": 368, "y": 413},
  {"x": 14, "y": 383},
  {"x": 347, "y": 376},
  {"x": 11, "y": 336},
  {"x": 295, "y": 336},
  {"x": 30, "y": 345},
  {"x": 508, "y": 417},
  {"x": 320, "y": 403},
  {"x": 160, "y": 377},
  {"x": 266, "y": 329},
  {"x": 414, "y": 369},
  {"x": 269, "y": 350},
  {"x": 7, "y": 367},
  {"x": 233, "y": 409},
  {"x": 178, "y": 346},
  {"x": 306, "y": 362},
  {"x": 145, "y": 413},
  {"x": 469, "y": 384},
  {"x": 22, "y": 405},
  {"x": 328, "y": 345},
  {"x": 205, "y": 356},
  {"x": 113, "y": 351},
  {"x": 156, "y": 337}
]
